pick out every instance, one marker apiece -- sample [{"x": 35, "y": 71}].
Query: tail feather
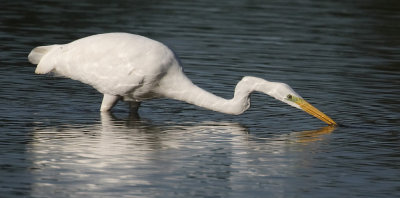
[{"x": 36, "y": 56}]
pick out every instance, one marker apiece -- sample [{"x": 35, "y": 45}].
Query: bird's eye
[{"x": 289, "y": 97}]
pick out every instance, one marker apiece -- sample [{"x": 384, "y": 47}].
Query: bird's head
[
  {"x": 281, "y": 92},
  {"x": 286, "y": 94}
]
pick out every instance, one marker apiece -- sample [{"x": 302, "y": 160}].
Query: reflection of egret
[
  {"x": 131, "y": 155},
  {"x": 135, "y": 68}
]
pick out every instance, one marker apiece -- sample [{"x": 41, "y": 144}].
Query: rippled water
[{"x": 341, "y": 56}]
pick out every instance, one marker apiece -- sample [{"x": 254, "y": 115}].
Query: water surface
[{"x": 343, "y": 57}]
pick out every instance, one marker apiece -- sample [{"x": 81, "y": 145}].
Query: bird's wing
[{"x": 106, "y": 66}]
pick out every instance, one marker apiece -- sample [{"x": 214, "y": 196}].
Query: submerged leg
[{"x": 108, "y": 102}]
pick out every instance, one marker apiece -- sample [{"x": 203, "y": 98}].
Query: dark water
[{"x": 344, "y": 57}]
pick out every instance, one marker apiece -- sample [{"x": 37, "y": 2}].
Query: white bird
[{"x": 135, "y": 68}]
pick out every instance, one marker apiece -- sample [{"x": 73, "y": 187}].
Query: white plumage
[{"x": 135, "y": 68}]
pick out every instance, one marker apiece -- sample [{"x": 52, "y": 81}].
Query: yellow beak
[{"x": 307, "y": 107}]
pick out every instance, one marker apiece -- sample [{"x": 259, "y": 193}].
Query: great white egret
[{"x": 135, "y": 68}]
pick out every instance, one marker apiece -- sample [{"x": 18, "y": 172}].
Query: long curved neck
[{"x": 181, "y": 88}]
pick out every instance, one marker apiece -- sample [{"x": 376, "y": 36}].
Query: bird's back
[{"x": 113, "y": 63}]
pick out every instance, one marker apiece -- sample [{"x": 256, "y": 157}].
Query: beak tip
[{"x": 333, "y": 124}]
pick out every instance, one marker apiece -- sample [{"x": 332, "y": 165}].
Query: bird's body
[
  {"x": 116, "y": 64},
  {"x": 135, "y": 68}
]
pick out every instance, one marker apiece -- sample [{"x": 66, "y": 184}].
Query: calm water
[{"x": 343, "y": 57}]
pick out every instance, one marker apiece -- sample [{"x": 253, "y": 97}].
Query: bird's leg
[
  {"x": 108, "y": 102},
  {"x": 134, "y": 106},
  {"x": 133, "y": 113}
]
